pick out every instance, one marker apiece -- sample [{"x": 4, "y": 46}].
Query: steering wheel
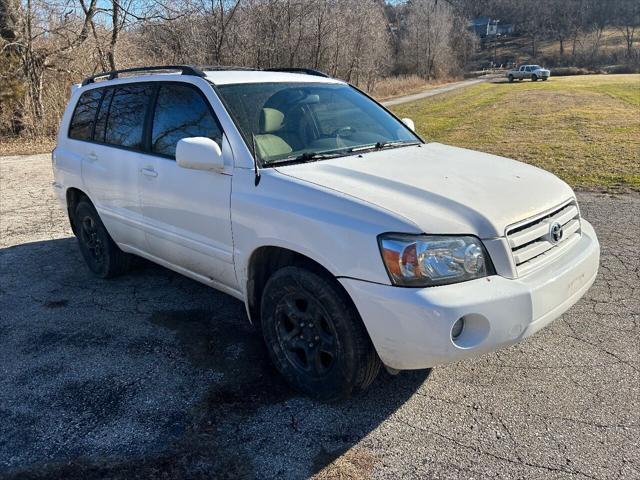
[{"x": 344, "y": 132}]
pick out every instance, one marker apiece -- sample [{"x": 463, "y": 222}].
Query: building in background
[{"x": 485, "y": 27}]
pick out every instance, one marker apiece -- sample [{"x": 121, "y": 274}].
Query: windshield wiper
[
  {"x": 305, "y": 157},
  {"x": 381, "y": 145}
]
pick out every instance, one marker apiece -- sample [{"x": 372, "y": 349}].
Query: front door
[{"x": 187, "y": 212}]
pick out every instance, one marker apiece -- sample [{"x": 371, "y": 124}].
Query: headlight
[{"x": 429, "y": 260}]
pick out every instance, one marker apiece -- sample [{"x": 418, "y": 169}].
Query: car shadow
[{"x": 153, "y": 375}]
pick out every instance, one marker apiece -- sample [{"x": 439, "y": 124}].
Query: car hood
[{"x": 441, "y": 189}]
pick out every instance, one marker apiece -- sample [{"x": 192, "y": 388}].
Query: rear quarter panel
[{"x": 66, "y": 159}]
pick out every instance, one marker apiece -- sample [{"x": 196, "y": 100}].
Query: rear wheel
[
  {"x": 101, "y": 254},
  {"x": 314, "y": 335},
  {"x": 510, "y": 78}
]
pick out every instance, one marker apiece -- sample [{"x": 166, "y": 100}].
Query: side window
[
  {"x": 103, "y": 115},
  {"x": 84, "y": 115},
  {"x": 125, "y": 117},
  {"x": 181, "y": 111}
]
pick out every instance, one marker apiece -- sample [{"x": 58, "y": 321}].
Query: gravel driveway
[{"x": 155, "y": 376}]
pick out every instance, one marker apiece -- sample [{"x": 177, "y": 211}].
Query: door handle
[
  {"x": 149, "y": 172},
  {"x": 92, "y": 157}
]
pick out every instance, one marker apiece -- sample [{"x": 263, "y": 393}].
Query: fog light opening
[{"x": 457, "y": 328}]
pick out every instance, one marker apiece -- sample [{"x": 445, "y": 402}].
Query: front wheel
[
  {"x": 315, "y": 337},
  {"x": 534, "y": 78},
  {"x": 544, "y": 79},
  {"x": 101, "y": 254}
]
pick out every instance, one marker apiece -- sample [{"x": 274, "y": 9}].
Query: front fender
[{"x": 337, "y": 231}]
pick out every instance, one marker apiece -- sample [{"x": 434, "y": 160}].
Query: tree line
[{"x": 46, "y": 45}]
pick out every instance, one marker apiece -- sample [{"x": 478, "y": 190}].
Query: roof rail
[
  {"x": 214, "y": 68},
  {"x": 185, "y": 69},
  {"x": 307, "y": 71}
]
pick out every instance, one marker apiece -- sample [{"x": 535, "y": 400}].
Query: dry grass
[
  {"x": 404, "y": 85},
  {"x": 26, "y": 146},
  {"x": 584, "y": 129}
]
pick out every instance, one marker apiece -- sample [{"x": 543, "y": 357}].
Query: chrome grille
[{"x": 531, "y": 242}]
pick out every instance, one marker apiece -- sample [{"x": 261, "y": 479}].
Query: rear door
[
  {"x": 113, "y": 158},
  {"x": 187, "y": 212}
]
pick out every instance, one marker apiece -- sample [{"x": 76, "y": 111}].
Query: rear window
[
  {"x": 125, "y": 119},
  {"x": 84, "y": 115}
]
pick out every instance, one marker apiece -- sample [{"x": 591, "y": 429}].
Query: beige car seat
[{"x": 268, "y": 144}]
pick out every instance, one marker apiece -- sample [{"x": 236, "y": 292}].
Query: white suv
[{"x": 352, "y": 242}]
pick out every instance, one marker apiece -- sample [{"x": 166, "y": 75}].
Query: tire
[
  {"x": 534, "y": 78},
  {"x": 314, "y": 335},
  {"x": 101, "y": 254},
  {"x": 544, "y": 79},
  {"x": 510, "y": 78}
]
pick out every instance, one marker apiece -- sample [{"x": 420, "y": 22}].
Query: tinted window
[
  {"x": 84, "y": 115},
  {"x": 181, "y": 112},
  {"x": 125, "y": 119},
  {"x": 103, "y": 114}
]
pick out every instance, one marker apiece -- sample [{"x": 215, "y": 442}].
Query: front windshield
[
  {"x": 536, "y": 67},
  {"x": 305, "y": 121}
]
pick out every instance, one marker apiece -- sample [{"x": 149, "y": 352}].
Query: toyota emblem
[{"x": 555, "y": 232}]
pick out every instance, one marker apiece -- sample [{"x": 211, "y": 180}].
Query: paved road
[
  {"x": 435, "y": 91},
  {"x": 154, "y": 373}
]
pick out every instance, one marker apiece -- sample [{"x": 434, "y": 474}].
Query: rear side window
[
  {"x": 125, "y": 118},
  {"x": 181, "y": 111},
  {"x": 84, "y": 115},
  {"x": 103, "y": 115}
]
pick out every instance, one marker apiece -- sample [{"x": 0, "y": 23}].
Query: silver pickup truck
[{"x": 534, "y": 72}]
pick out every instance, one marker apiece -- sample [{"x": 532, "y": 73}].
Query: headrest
[{"x": 271, "y": 120}]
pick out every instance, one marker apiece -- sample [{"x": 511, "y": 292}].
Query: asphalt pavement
[{"x": 153, "y": 375}]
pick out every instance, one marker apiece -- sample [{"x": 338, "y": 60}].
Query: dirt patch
[{"x": 344, "y": 464}]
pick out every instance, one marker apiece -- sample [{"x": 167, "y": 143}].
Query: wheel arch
[
  {"x": 265, "y": 261},
  {"x": 74, "y": 195}
]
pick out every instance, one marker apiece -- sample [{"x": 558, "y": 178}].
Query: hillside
[{"x": 608, "y": 49}]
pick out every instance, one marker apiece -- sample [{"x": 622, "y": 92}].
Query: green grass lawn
[{"x": 585, "y": 129}]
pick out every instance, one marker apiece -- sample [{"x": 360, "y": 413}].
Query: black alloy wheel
[
  {"x": 306, "y": 334},
  {"x": 314, "y": 334},
  {"x": 101, "y": 254}
]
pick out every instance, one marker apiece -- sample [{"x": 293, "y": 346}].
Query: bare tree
[
  {"x": 429, "y": 37},
  {"x": 43, "y": 36},
  {"x": 627, "y": 20}
]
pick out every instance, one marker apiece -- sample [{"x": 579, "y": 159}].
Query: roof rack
[
  {"x": 307, "y": 71},
  {"x": 184, "y": 69},
  {"x": 215, "y": 68}
]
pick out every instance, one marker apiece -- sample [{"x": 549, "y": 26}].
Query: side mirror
[
  {"x": 199, "y": 153},
  {"x": 409, "y": 123}
]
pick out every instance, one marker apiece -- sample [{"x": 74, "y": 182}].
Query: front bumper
[{"x": 411, "y": 327}]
